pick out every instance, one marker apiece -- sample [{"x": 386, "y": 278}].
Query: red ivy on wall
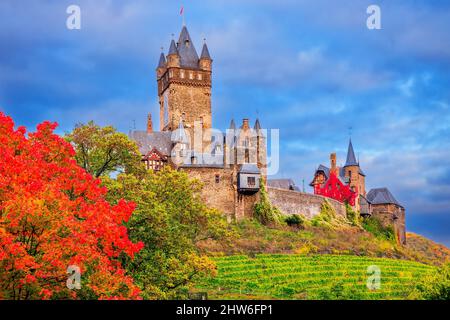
[{"x": 334, "y": 188}]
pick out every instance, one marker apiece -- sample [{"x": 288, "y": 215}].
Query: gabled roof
[
  {"x": 186, "y": 50},
  {"x": 381, "y": 196},
  {"x": 249, "y": 168},
  {"x": 205, "y": 52},
  {"x": 326, "y": 171},
  {"x": 351, "y": 159},
  {"x": 155, "y": 154},
  {"x": 287, "y": 184},
  {"x": 147, "y": 141},
  {"x": 162, "y": 61}
]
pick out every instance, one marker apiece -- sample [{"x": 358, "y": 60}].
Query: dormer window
[
  {"x": 191, "y": 75},
  {"x": 199, "y": 76},
  {"x": 182, "y": 74}
]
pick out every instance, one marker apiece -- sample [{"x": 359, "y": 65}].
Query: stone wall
[
  {"x": 221, "y": 193},
  {"x": 294, "y": 202}
]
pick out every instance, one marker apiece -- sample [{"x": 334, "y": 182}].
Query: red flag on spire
[{"x": 182, "y": 10}]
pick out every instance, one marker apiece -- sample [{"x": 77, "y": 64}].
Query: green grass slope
[{"x": 326, "y": 276}]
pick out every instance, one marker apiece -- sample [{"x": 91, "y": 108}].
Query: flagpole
[{"x": 182, "y": 15}]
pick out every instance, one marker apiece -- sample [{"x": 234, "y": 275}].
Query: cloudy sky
[{"x": 310, "y": 68}]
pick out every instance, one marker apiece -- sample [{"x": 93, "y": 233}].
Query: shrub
[
  {"x": 295, "y": 220},
  {"x": 375, "y": 227},
  {"x": 338, "y": 292},
  {"x": 352, "y": 215},
  {"x": 265, "y": 212},
  {"x": 327, "y": 217}
]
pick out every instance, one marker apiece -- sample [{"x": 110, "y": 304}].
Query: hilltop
[{"x": 254, "y": 238}]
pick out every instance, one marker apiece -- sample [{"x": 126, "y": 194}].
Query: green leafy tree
[
  {"x": 170, "y": 219},
  {"x": 103, "y": 150}
]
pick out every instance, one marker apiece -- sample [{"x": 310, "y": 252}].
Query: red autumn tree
[{"x": 53, "y": 215}]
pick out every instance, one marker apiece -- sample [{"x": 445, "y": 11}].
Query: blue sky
[{"x": 310, "y": 68}]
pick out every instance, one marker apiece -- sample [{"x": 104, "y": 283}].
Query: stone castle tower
[
  {"x": 354, "y": 174},
  {"x": 184, "y": 90}
]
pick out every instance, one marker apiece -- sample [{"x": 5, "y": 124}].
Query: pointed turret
[
  {"x": 351, "y": 159},
  {"x": 181, "y": 136},
  {"x": 161, "y": 68},
  {"x": 173, "y": 58},
  {"x": 257, "y": 126},
  {"x": 205, "y": 59},
  {"x": 162, "y": 61},
  {"x": 186, "y": 50},
  {"x": 173, "y": 48},
  {"x": 205, "y": 52},
  {"x": 232, "y": 125}
]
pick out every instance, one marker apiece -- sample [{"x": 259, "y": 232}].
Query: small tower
[
  {"x": 149, "y": 123},
  {"x": 205, "y": 59},
  {"x": 181, "y": 145},
  {"x": 261, "y": 149},
  {"x": 173, "y": 58},
  {"x": 333, "y": 167},
  {"x": 161, "y": 66},
  {"x": 354, "y": 174},
  {"x": 230, "y": 144}
]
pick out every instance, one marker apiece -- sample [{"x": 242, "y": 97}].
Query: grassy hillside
[
  {"x": 253, "y": 238},
  {"x": 292, "y": 276}
]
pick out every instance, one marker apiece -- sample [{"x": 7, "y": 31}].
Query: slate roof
[
  {"x": 173, "y": 48},
  {"x": 381, "y": 196},
  {"x": 351, "y": 159},
  {"x": 186, "y": 50},
  {"x": 147, "y": 141},
  {"x": 205, "y": 52},
  {"x": 326, "y": 171},
  {"x": 162, "y": 61},
  {"x": 249, "y": 168},
  {"x": 287, "y": 184}
]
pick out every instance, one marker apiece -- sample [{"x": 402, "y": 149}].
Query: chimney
[
  {"x": 333, "y": 168},
  {"x": 245, "y": 125},
  {"x": 149, "y": 123}
]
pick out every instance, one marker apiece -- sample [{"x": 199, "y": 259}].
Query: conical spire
[
  {"x": 181, "y": 136},
  {"x": 162, "y": 61},
  {"x": 186, "y": 50},
  {"x": 351, "y": 159},
  {"x": 232, "y": 125},
  {"x": 257, "y": 125},
  {"x": 205, "y": 52},
  {"x": 173, "y": 48}
]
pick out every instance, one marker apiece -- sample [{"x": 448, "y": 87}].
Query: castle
[
  {"x": 230, "y": 164},
  {"x": 378, "y": 202},
  {"x": 233, "y": 164}
]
